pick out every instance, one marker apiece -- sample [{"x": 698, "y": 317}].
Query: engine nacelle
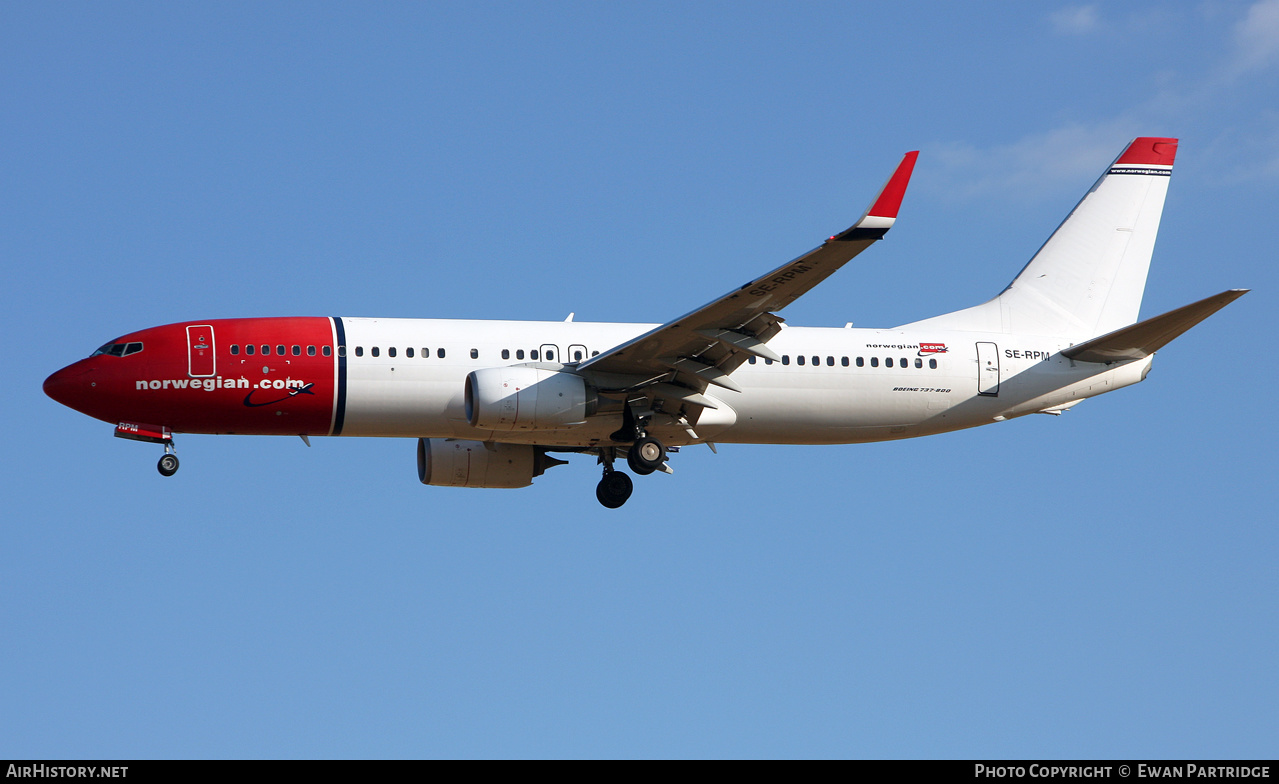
[
  {"x": 450, "y": 463},
  {"x": 526, "y": 398}
]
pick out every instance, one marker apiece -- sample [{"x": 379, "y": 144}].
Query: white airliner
[{"x": 489, "y": 401}]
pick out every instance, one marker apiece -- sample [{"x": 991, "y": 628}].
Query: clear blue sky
[{"x": 1101, "y": 584}]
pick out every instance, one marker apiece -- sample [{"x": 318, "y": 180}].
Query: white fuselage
[{"x": 835, "y": 385}]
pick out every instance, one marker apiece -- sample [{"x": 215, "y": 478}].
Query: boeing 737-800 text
[{"x": 491, "y": 401}]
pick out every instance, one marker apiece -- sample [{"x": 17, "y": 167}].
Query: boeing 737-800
[{"x": 491, "y": 401}]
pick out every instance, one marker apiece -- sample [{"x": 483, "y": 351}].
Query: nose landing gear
[
  {"x": 168, "y": 465},
  {"x": 152, "y": 434}
]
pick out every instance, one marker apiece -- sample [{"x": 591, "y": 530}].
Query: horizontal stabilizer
[{"x": 1146, "y": 337}]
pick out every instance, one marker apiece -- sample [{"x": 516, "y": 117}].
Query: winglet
[
  {"x": 883, "y": 211},
  {"x": 879, "y": 217}
]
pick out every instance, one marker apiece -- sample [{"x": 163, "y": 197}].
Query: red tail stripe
[{"x": 1155, "y": 150}]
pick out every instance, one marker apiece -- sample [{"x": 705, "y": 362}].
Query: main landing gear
[
  {"x": 644, "y": 456},
  {"x": 614, "y": 488}
]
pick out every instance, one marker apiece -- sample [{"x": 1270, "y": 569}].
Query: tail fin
[{"x": 1088, "y": 278}]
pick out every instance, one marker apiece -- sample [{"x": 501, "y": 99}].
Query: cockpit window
[{"x": 118, "y": 349}]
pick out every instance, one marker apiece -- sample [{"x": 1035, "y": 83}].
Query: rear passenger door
[{"x": 988, "y": 369}]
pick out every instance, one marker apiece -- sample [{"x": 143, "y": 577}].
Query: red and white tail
[{"x": 1088, "y": 278}]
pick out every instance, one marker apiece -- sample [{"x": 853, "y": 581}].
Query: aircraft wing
[{"x": 681, "y": 357}]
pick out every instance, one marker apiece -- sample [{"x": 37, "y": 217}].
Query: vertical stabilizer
[{"x": 1088, "y": 278}]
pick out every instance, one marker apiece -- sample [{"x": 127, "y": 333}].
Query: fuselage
[{"x": 322, "y": 376}]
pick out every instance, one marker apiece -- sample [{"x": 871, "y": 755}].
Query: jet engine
[
  {"x": 449, "y": 462},
  {"x": 527, "y": 398}
]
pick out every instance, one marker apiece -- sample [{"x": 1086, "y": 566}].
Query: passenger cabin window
[
  {"x": 328, "y": 351},
  {"x": 888, "y": 362},
  {"x": 310, "y": 351},
  {"x": 297, "y": 351},
  {"x": 919, "y": 363},
  {"x": 874, "y": 361},
  {"x": 439, "y": 352},
  {"x": 475, "y": 353},
  {"x": 785, "y": 359},
  {"x": 341, "y": 351},
  {"x": 506, "y": 353},
  {"x": 532, "y": 354},
  {"x": 800, "y": 359},
  {"x": 279, "y": 350},
  {"x": 932, "y": 363},
  {"x": 577, "y": 355},
  {"x": 390, "y": 352},
  {"x": 359, "y": 351},
  {"x": 248, "y": 349},
  {"x": 375, "y": 351},
  {"x": 817, "y": 360},
  {"x": 830, "y": 362},
  {"x": 843, "y": 361},
  {"x": 550, "y": 356},
  {"x": 235, "y": 349},
  {"x": 751, "y": 359},
  {"x": 519, "y": 353},
  {"x": 408, "y": 352},
  {"x": 266, "y": 350}
]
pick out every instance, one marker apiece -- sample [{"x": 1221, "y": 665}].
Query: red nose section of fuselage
[
  {"x": 270, "y": 376},
  {"x": 74, "y": 387}
]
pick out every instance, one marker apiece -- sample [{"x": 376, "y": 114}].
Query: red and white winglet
[{"x": 883, "y": 211}]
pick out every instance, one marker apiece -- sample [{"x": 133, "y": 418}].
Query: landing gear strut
[
  {"x": 644, "y": 456},
  {"x": 615, "y": 487},
  {"x": 168, "y": 465}
]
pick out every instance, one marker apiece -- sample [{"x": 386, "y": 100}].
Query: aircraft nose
[{"x": 70, "y": 386}]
